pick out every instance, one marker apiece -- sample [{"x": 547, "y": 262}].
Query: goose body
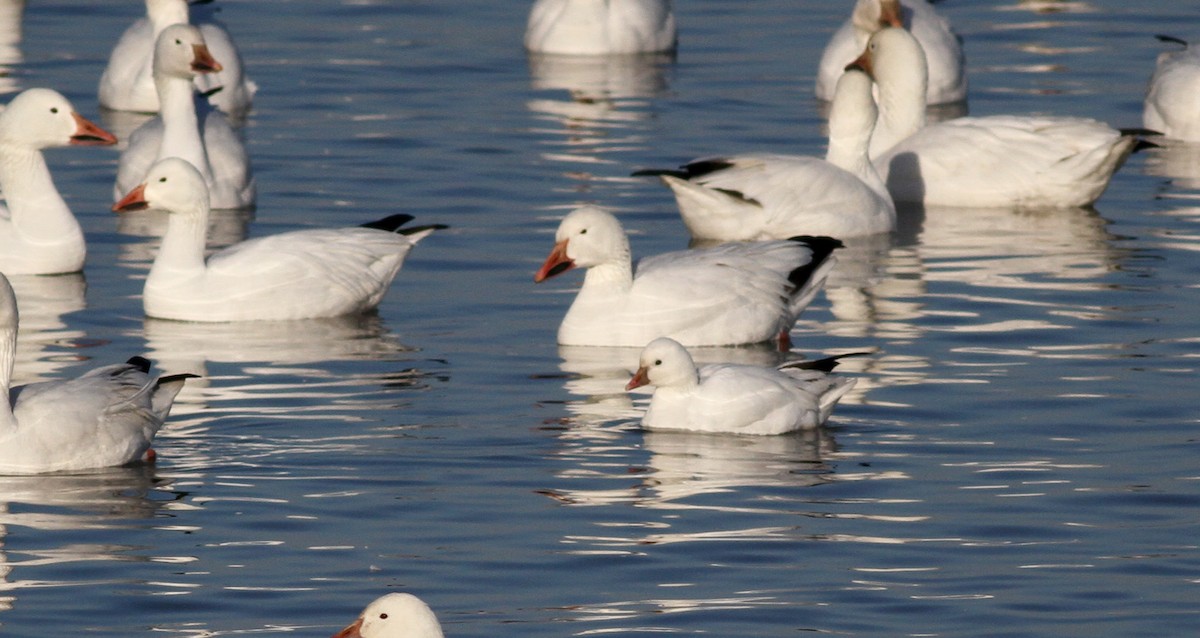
[
  {"x": 734, "y": 398},
  {"x": 942, "y": 46},
  {"x": 730, "y": 294},
  {"x": 39, "y": 234},
  {"x": 994, "y": 161},
  {"x": 395, "y": 615},
  {"x": 295, "y": 275},
  {"x": 188, "y": 128},
  {"x": 127, "y": 83},
  {"x": 105, "y": 417},
  {"x": 600, "y": 27},
  {"x": 1172, "y": 104},
  {"x": 771, "y": 196}
]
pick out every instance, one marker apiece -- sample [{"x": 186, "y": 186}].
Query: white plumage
[
  {"x": 730, "y": 294},
  {"x": 734, "y": 398},
  {"x": 127, "y": 83},
  {"x": 600, "y": 27},
  {"x": 771, "y": 196},
  {"x": 38, "y": 233},
  {"x": 942, "y": 46},
  {"x": 996, "y": 161},
  {"x": 106, "y": 417},
  {"x": 395, "y": 615},
  {"x": 1172, "y": 104},
  {"x": 295, "y": 275},
  {"x": 188, "y": 128}
]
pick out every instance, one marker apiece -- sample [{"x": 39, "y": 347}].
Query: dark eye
[
  {"x": 383, "y": 616},
  {"x": 658, "y": 362},
  {"x": 178, "y": 41},
  {"x": 162, "y": 180},
  {"x": 54, "y": 109},
  {"x": 583, "y": 232}
]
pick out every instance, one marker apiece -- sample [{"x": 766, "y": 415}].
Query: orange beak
[
  {"x": 87, "y": 133},
  {"x": 351, "y": 631},
  {"x": 203, "y": 61},
  {"x": 891, "y": 14},
  {"x": 863, "y": 62},
  {"x": 640, "y": 378},
  {"x": 557, "y": 263},
  {"x": 135, "y": 200}
]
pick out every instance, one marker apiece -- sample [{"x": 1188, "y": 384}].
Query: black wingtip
[
  {"x": 171, "y": 378},
  {"x": 824, "y": 365},
  {"x": 391, "y": 223},
  {"x": 141, "y": 363},
  {"x": 822, "y": 247},
  {"x": 659, "y": 172},
  {"x": 420, "y": 229},
  {"x": 1172, "y": 39}
]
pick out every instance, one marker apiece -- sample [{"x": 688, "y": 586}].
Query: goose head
[
  {"x": 395, "y": 615},
  {"x": 870, "y": 16},
  {"x": 853, "y": 110},
  {"x": 664, "y": 363},
  {"x": 894, "y": 58},
  {"x": 180, "y": 52},
  {"x": 173, "y": 185},
  {"x": 588, "y": 236},
  {"x": 43, "y": 118}
]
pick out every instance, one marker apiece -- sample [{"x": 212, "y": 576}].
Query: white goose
[
  {"x": 106, "y": 417},
  {"x": 1172, "y": 104},
  {"x": 128, "y": 81},
  {"x": 995, "y": 161},
  {"x": 38, "y": 233},
  {"x": 215, "y": 150},
  {"x": 735, "y": 398},
  {"x": 765, "y": 196},
  {"x": 395, "y": 615},
  {"x": 942, "y": 46},
  {"x": 600, "y": 27},
  {"x": 726, "y": 295},
  {"x": 296, "y": 275}
]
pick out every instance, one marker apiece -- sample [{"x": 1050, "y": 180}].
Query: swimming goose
[
  {"x": 38, "y": 233},
  {"x": 600, "y": 27},
  {"x": 127, "y": 83},
  {"x": 106, "y": 417},
  {"x": 1172, "y": 104},
  {"x": 395, "y": 615},
  {"x": 295, "y": 275},
  {"x": 942, "y": 46},
  {"x": 994, "y": 161},
  {"x": 730, "y": 294},
  {"x": 734, "y": 398},
  {"x": 770, "y": 196},
  {"x": 179, "y": 55}
]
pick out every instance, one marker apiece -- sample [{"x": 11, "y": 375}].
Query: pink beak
[
  {"x": 203, "y": 61},
  {"x": 135, "y": 200},
  {"x": 558, "y": 262},
  {"x": 87, "y": 133},
  {"x": 640, "y": 378},
  {"x": 351, "y": 631}
]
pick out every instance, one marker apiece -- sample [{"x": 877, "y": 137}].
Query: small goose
[
  {"x": 731, "y": 294},
  {"x": 395, "y": 615},
  {"x": 38, "y": 233},
  {"x": 208, "y": 142},
  {"x": 943, "y": 47},
  {"x": 600, "y": 27},
  {"x": 127, "y": 83},
  {"x": 735, "y": 398},
  {"x": 295, "y": 275},
  {"x": 767, "y": 196},
  {"x": 106, "y": 417},
  {"x": 995, "y": 161},
  {"x": 1172, "y": 104}
]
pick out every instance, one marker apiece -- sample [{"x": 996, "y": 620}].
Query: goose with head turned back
[
  {"x": 600, "y": 27},
  {"x": 395, "y": 615},
  {"x": 127, "y": 83},
  {"x": 992, "y": 161},
  {"x": 38, "y": 233},
  {"x": 1172, "y": 104},
  {"x": 731, "y": 294},
  {"x": 104, "y": 418},
  {"x": 943, "y": 47},
  {"x": 769, "y": 196},
  {"x": 735, "y": 398},
  {"x": 187, "y": 129},
  {"x": 295, "y": 275}
]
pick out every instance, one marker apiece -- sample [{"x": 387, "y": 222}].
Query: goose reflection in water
[
  {"x": 33, "y": 507},
  {"x": 45, "y": 343}
]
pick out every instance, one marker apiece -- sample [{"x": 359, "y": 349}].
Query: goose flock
[{"x": 777, "y": 222}]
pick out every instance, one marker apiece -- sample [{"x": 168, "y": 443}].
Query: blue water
[{"x": 1019, "y": 457}]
